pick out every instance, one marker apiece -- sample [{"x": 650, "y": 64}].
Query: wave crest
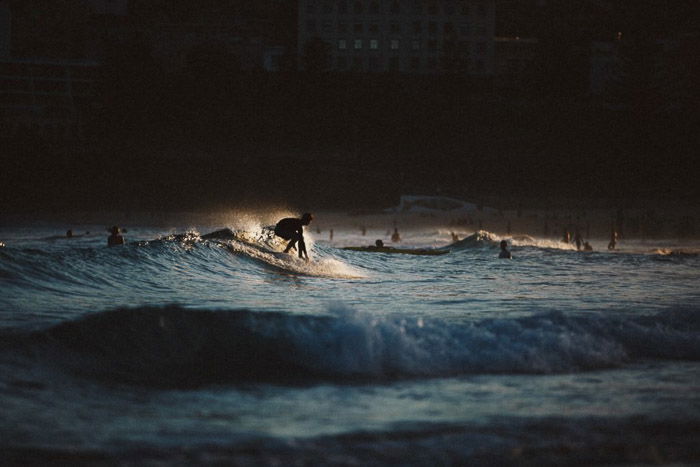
[{"x": 178, "y": 347}]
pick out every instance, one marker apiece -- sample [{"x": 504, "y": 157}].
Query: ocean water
[{"x": 177, "y": 349}]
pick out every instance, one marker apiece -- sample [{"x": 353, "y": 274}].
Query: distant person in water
[
  {"x": 613, "y": 239},
  {"x": 587, "y": 246},
  {"x": 377, "y": 244},
  {"x": 395, "y": 237},
  {"x": 115, "y": 238},
  {"x": 292, "y": 229},
  {"x": 578, "y": 239},
  {"x": 69, "y": 233},
  {"x": 504, "y": 251}
]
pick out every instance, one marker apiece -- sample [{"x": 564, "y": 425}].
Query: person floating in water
[
  {"x": 377, "y": 244},
  {"x": 116, "y": 237},
  {"x": 504, "y": 251},
  {"x": 292, "y": 229},
  {"x": 395, "y": 237}
]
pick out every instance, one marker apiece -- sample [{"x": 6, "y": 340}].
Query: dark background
[{"x": 214, "y": 134}]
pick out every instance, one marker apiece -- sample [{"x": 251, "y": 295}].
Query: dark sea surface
[{"x": 177, "y": 349}]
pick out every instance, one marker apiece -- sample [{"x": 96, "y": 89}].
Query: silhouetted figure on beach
[
  {"x": 455, "y": 237},
  {"x": 566, "y": 238},
  {"x": 505, "y": 254},
  {"x": 115, "y": 238},
  {"x": 587, "y": 246},
  {"x": 395, "y": 237},
  {"x": 292, "y": 229}
]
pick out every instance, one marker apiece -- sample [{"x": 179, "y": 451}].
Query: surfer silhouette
[
  {"x": 292, "y": 229},
  {"x": 504, "y": 250}
]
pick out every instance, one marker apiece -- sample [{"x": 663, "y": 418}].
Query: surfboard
[{"x": 404, "y": 251}]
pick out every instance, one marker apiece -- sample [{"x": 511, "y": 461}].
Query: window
[
  {"x": 327, "y": 27},
  {"x": 395, "y": 28},
  {"x": 432, "y": 27},
  {"x": 342, "y": 7},
  {"x": 357, "y": 63},
  {"x": 311, "y": 6},
  {"x": 342, "y": 27},
  {"x": 394, "y": 44},
  {"x": 415, "y": 63},
  {"x": 374, "y": 44},
  {"x": 358, "y": 44},
  {"x": 450, "y": 7},
  {"x": 481, "y": 8},
  {"x": 432, "y": 45},
  {"x": 311, "y": 26},
  {"x": 358, "y": 27},
  {"x": 374, "y": 63},
  {"x": 417, "y": 7},
  {"x": 415, "y": 45},
  {"x": 358, "y": 8},
  {"x": 464, "y": 7},
  {"x": 481, "y": 48},
  {"x": 374, "y": 28},
  {"x": 432, "y": 8},
  {"x": 327, "y": 7},
  {"x": 342, "y": 44},
  {"x": 394, "y": 63},
  {"x": 395, "y": 7},
  {"x": 417, "y": 27},
  {"x": 464, "y": 29},
  {"x": 448, "y": 28},
  {"x": 342, "y": 63},
  {"x": 374, "y": 8}
]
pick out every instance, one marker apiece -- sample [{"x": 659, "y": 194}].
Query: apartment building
[{"x": 406, "y": 36}]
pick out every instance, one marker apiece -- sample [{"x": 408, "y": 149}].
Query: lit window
[
  {"x": 394, "y": 44},
  {"x": 358, "y": 44},
  {"x": 342, "y": 44},
  {"x": 374, "y": 44}
]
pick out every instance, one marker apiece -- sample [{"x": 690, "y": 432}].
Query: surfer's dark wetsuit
[{"x": 292, "y": 229}]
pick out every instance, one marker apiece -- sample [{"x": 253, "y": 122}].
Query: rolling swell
[{"x": 180, "y": 348}]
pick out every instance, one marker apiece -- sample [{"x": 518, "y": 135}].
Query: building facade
[{"x": 407, "y": 36}]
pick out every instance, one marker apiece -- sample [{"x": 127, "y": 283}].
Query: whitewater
[{"x": 203, "y": 344}]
